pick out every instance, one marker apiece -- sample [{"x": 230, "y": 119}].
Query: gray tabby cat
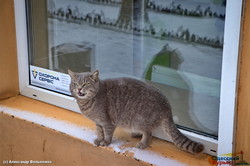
[{"x": 127, "y": 103}]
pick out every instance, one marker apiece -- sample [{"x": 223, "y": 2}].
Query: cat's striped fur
[{"x": 128, "y": 103}]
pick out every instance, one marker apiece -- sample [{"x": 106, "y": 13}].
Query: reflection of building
[
  {"x": 177, "y": 9},
  {"x": 167, "y": 57},
  {"x": 221, "y": 2},
  {"x": 127, "y": 24},
  {"x": 74, "y": 56}
]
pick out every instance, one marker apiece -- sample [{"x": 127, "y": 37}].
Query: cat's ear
[
  {"x": 71, "y": 73},
  {"x": 94, "y": 76}
]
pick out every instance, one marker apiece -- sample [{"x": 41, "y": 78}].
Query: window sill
[{"x": 160, "y": 152}]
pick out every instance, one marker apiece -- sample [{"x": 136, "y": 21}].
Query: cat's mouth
[{"x": 81, "y": 94}]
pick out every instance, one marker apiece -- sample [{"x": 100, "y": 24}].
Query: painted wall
[
  {"x": 8, "y": 56},
  {"x": 243, "y": 110},
  {"x": 24, "y": 141}
]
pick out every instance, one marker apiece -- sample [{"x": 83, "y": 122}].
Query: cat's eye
[
  {"x": 85, "y": 84},
  {"x": 74, "y": 84}
]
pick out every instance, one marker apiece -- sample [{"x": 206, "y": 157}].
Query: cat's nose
[{"x": 79, "y": 89}]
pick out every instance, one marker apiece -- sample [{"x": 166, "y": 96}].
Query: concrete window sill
[{"x": 33, "y": 130}]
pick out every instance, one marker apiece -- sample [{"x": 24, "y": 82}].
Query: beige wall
[
  {"x": 243, "y": 110},
  {"x": 21, "y": 140},
  {"x": 8, "y": 58}
]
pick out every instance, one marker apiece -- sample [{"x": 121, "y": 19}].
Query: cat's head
[{"x": 84, "y": 85}]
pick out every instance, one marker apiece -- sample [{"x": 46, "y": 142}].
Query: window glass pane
[{"x": 174, "y": 45}]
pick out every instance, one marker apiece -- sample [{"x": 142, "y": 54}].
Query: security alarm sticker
[{"x": 49, "y": 79}]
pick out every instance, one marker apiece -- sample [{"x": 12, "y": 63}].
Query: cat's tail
[{"x": 180, "y": 140}]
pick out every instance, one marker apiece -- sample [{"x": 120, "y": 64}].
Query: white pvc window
[{"x": 188, "y": 50}]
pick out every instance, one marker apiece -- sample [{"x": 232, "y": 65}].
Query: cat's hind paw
[{"x": 141, "y": 145}]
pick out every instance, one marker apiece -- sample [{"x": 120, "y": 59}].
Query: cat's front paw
[
  {"x": 105, "y": 143},
  {"x": 141, "y": 145},
  {"x": 98, "y": 141}
]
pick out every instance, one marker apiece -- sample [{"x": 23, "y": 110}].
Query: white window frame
[{"x": 223, "y": 145}]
